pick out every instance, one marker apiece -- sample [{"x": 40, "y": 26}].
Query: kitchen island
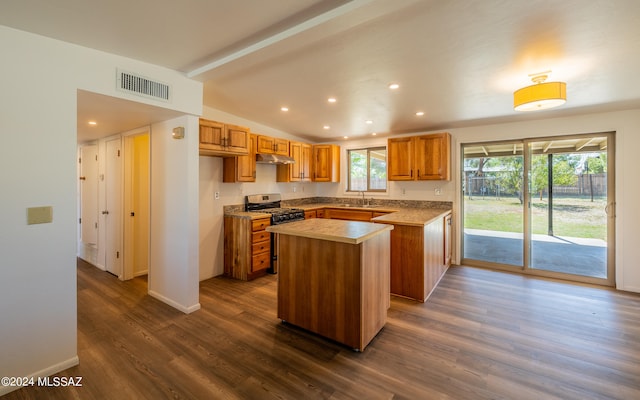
[{"x": 333, "y": 278}]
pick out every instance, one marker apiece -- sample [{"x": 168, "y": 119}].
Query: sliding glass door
[
  {"x": 561, "y": 226},
  {"x": 493, "y": 203}
]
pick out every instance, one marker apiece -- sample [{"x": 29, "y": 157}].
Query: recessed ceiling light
[
  {"x": 393, "y": 86},
  {"x": 93, "y": 123},
  {"x": 284, "y": 108},
  {"x": 373, "y": 134},
  {"x": 420, "y": 113},
  {"x": 326, "y": 127},
  {"x": 332, "y": 100},
  {"x": 368, "y": 122},
  {"x": 346, "y": 137}
]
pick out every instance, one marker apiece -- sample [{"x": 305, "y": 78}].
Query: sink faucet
[{"x": 362, "y": 193}]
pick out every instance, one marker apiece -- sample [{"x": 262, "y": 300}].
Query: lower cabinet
[
  {"x": 418, "y": 258},
  {"x": 351, "y": 215},
  {"x": 247, "y": 247}
]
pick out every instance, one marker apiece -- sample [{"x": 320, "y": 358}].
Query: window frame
[{"x": 368, "y": 165}]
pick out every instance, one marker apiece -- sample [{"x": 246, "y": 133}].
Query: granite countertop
[
  {"x": 396, "y": 215},
  {"x": 414, "y": 217},
  {"x": 247, "y": 214},
  {"x": 334, "y": 230}
]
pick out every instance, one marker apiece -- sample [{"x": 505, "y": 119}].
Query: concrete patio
[{"x": 577, "y": 256}]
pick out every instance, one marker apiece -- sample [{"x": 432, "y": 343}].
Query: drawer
[
  {"x": 260, "y": 261},
  {"x": 260, "y": 236},
  {"x": 320, "y": 213},
  {"x": 260, "y": 224},
  {"x": 260, "y": 247}
]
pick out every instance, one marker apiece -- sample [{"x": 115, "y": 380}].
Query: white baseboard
[
  {"x": 140, "y": 273},
  {"x": 177, "y": 306},
  {"x": 54, "y": 369}
]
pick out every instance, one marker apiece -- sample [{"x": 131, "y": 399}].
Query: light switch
[{"x": 39, "y": 215}]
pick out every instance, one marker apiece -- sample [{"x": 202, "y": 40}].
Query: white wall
[
  {"x": 40, "y": 78},
  {"x": 173, "y": 267}
]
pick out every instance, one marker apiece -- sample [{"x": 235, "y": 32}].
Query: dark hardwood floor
[{"x": 481, "y": 335}]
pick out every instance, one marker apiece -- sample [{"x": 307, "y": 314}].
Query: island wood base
[
  {"x": 335, "y": 289},
  {"x": 418, "y": 259}
]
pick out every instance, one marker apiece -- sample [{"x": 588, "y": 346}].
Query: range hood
[{"x": 274, "y": 159}]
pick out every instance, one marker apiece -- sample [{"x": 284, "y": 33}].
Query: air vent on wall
[{"x": 139, "y": 85}]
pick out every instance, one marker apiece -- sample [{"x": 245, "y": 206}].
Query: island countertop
[{"x": 334, "y": 230}]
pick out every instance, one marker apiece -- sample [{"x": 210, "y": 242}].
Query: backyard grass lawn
[{"x": 573, "y": 217}]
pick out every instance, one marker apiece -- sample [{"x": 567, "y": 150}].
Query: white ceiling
[{"x": 459, "y": 61}]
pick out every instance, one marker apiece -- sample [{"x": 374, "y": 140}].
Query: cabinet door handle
[{"x": 418, "y": 174}]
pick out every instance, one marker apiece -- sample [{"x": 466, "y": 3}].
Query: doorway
[
  {"x": 561, "y": 226},
  {"x": 136, "y": 204}
]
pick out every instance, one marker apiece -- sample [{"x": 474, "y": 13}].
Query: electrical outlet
[
  {"x": 403, "y": 191},
  {"x": 216, "y": 195},
  {"x": 294, "y": 189},
  {"x": 438, "y": 192}
]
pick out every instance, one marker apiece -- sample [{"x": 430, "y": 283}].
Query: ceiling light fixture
[
  {"x": 394, "y": 86},
  {"x": 284, "y": 109},
  {"x": 326, "y": 127},
  {"x": 420, "y": 113},
  {"x": 540, "y": 96},
  {"x": 373, "y": 134},
  {"x": 332, "y": 100},
  {"x": 93, "y": 123},
  {"x": 368, "y": 122},
  {"x": 346, "y": 137}
]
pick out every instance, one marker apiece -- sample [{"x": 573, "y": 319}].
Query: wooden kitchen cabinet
[
  {"x": 241, "y": 168},
  {"x": 247, "y": 247},
  {"x": 433, "y": 157},
  {"x": 326, "y": 163},
  {"x": 425, "y": 157},
  {"x": 220, "y": 139},
  {"x": 400, "y": 153},
  {"x": 310, "y": 214},
  {"x": 300, "y": 171},
  {"x": 349, "y": 215},
  {"x": 418, "y": 258},
  {"x": 271, "y": 145}
]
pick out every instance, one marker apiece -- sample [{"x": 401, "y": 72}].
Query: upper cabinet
[
  {"x": 241, "y": 168},
  {"x": 425, "y": 157},
  {"x": 219, "y": 139},
  {"x": 300, "y": 170},
  {"x": 326, "y": 163},
  {"x": 271, "y": 145}
]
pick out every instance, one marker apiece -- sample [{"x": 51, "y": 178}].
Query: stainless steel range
[{"x": 270, "y": 204}]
